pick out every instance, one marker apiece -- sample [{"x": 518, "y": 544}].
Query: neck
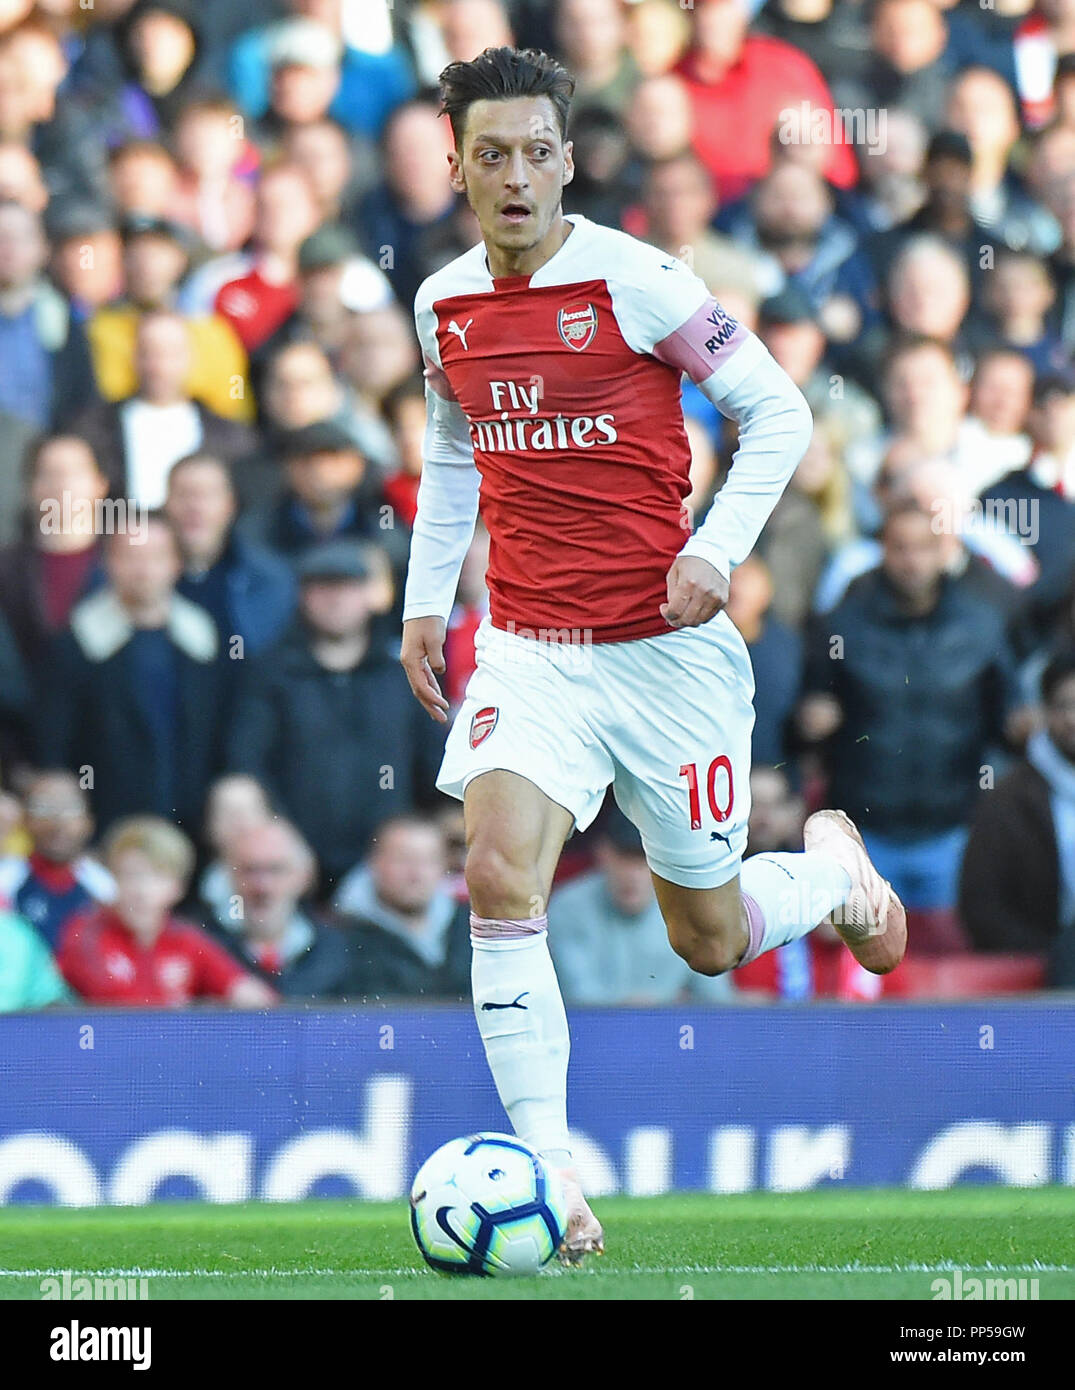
[
  {"x": 415, "y": 917},
  {"x": 161, "y": 399},
  {"x": 198, "y": 560},
  {"x": 144, "y": 929},
  {"x": 917, "y": 605},
  {"x": 278, "y": 267},
  {"x": 151, "y": 613},
  {"x": 326, "y": 514},
  {"x": 1024, "y": 329},
  {"x": 504, "y": 263},
  {"x": 340, "y": 653}
]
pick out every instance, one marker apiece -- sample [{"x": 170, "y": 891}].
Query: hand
[
  {"x": 422, "y": 653},
  {"x": 819, "y": 716},
  {"x": 696, "y": 592}
]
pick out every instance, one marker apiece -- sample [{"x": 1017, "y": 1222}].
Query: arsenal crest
[
  {"x": 577, "y": 325},
  {"x": 483, "y": 724}
]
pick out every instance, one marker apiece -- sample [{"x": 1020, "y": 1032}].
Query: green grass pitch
[{"x": 864, "y": 1244}]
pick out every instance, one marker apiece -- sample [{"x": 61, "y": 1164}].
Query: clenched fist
[{"x": 696, "y": 592}]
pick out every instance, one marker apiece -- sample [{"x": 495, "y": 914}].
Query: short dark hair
[
  {"x": 1060, "y": 669},
  {"x": 497, "y": 74}
]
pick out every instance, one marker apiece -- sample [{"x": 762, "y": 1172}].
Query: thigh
[
  {"x": 522, "y": 715},
  {"x": 682, "y": 754}
]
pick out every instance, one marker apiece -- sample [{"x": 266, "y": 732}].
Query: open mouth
[{"x": 515, "y": 212}]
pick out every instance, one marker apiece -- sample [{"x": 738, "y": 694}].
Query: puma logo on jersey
[
  {"x": 513, "y": 1005},
  {"x": 461, "y": 333}
]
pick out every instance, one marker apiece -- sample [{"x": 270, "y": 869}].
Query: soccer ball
[{"x": 487, "y": 1205}]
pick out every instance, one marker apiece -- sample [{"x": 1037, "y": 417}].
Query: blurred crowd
[{"x": 214, "y": 782}]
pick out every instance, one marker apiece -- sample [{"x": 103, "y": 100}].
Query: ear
[
  {"x": 455, "y": 172},
  {"x": 569, "y": 161}
]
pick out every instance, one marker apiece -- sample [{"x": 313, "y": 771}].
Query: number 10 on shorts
[{"x": 720, "y": 813}]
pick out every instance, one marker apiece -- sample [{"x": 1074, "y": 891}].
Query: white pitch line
[{"x": 290, "y": 1273}]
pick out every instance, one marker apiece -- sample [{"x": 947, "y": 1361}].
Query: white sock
[
  {"x": 787, "y": 895},
  {"x": 525, "y": 1031}
]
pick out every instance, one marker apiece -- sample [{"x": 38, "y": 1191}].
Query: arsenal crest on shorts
[
  {"x": 483, "y": 724},
  {"x": 577, "y": 325}
]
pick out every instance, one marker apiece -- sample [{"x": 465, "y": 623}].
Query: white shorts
[{"x": 666, "y": 720}]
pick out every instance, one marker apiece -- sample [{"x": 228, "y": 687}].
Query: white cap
[{"x": 363, "y": 288}]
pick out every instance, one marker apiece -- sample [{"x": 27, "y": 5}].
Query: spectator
[
  {"x": 298, "y": 388},
  {"x": 335, "y": 282},
  {"x": 29, "y": 979},
  {"x": 338, "y": 172},
  {"x": 159, "y": 43},
  {"x": 982, "y": 106},
  {"x": 370, "y": 86},
  {"x": 45, "y": 372},
  {"x": 1001, "y": 394},
  {"x": 213, "y": 195},
  {"x": 57, "y": 879},
  {"x": 1017, "y": 885},
  {"x": 1019, "y": 296},
  {"x": 679, "y": 204},
  {"x": 248, "y": 591},
  {"x": 411, "y": 938},
  {"x": 379, "y": 353},
  {"x": 324, "y": 723},
  {"x": 909, "y": 681},
  {"x": 273, "y": 932},
  {"x": 608, "y": 939},
  {"x": 911, "y": 66},
  {"x": 946, "y": 213},
  {"x": 744, "y": 82},
  {"x": 305, "y": 79},
  {"x": 660, "y": 119},
  {"x": 592, "y": 36},
  {"x": 1033, "y": 507},
  {"x": 155, "y": 259},
  {"x": 20, "y": 178},
  {"x": 414, "y": 206},
  {"x": 134, "y": 952},
  {"x": 57, "y": 560},
  {"x": 136, "y": 690},
  {"x": 233, "y": 806},
  {"x": 143, "y": 436},
  {"x": 143, "y": 180},
  {"x": 775, "y": 654},
  {"x": 330, "y": 494},
  {"x": 790, "y": 227},
  {"x": 258, "y": 300},
  {"x": 87, "y": 257}
]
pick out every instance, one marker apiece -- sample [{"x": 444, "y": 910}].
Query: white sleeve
[
  {"x": 447, "y": 495},
  {"x": 775, "y": 425},
  {"x": 664, "y": 309}
]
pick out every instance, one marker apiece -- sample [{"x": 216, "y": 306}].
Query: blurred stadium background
[{"x": 233, "y": 938}]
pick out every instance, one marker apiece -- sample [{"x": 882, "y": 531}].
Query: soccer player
[{"x": 554, "y": 351}]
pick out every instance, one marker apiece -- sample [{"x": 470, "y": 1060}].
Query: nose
[{"x": 515, "y": 177}]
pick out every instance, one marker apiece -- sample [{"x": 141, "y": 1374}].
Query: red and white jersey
[{"x": 566, "y": 393}]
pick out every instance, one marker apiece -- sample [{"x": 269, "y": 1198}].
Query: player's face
[{"x": 513, "y": 167}]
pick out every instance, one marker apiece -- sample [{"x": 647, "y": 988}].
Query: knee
[
  {"x": 709, "y": 955},
  {"x": 712, "y": 948},
  {"x": 500, "y": 884}
]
